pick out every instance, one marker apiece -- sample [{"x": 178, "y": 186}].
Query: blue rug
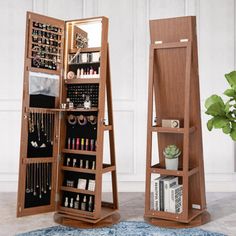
[{"x": 127, "y": 228}]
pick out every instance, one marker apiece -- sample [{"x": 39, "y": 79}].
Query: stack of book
[{"x": 168, "y": 194}]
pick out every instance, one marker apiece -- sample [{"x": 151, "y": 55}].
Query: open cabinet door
[{"x": 44, "y": 44}]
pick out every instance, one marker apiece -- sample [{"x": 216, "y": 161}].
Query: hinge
[
  {"x": 183, "y": 40},
  {"x": 158, "y": 42}
]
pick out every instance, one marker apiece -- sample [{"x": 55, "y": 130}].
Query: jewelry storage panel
[
  {"x": 38, "y": 184},
  {"x": 40, "y": 134},
  {"x": 46, "y": 45},
  {"x": 83, "y": 95}
]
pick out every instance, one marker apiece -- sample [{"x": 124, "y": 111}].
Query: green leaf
[
  {"x": 213, "y": 99},
  {"x": 231, "y": 78},
  {"x": 219, "y": 122},
  {"x": 233, "y": 134},
  {"x": 230, "y": 92},
  {"x": 210, "y": 124},
  {"x": 226, "y": 129},
  {"x": 233, "y": 125},
  {"x": 227, "y": 107},
  {"x": 216, "y": 109}
]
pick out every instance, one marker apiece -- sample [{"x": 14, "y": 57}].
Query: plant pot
[{"x": 172, "y": 164}]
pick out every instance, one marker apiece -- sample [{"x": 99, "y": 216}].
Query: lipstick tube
[{"x": 77, "y": 143}]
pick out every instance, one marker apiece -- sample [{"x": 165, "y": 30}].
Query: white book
[
  {"x": 91, "y": 185},
  {"x": 168, "y": 182},
  {"x": 176, "y": 199},
  {"x": 82, "y": 184},
  {"x": 156, "y": 197}
]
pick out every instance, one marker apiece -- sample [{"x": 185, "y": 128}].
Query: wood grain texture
[
  {"x": 103, "y": 212},
  {"x": 173, "y": 75}
]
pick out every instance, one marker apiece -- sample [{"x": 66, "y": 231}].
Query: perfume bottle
[
  {"x": 71, "y": 203},
  {"x": 81, "y": 163},
  {"x": 76, "y": 203},
  {"x": 90, "y": 204},
  {"x": 66, "y": 203},
  {"x": 87, "y": 103},
  {"x": 87, "y": 164},
  {"x": 74, "y": 162},
  {"x": 83, "y": 204},
  {"x": 68, "y": 161}
]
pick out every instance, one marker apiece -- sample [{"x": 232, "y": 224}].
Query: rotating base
[
  {"x": 67, "y": 221},
  {"x": 199, "y": 220}
]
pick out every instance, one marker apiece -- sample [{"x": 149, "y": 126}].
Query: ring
[
  {"x": 92, "y": 120},
  {"x": 82, "y": 120},
  {"x": 71, "y": 119}
]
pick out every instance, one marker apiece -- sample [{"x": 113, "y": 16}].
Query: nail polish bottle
[
  {"x": 87, "y": 164},
  {"x": 77, "y": 143},
  {"x": 82, "y": 144},
  {"x": 86, "y": 144},
  {"x": 81, "y": 163},
  {"x": 68, "y": 143},
  {"x": 66, "y": 202},
  {"x": 73, "y": 143},
  {"x": 83, "y": 204}
]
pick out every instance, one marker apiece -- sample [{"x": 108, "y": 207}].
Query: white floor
[{"x": 222, "y": 207}]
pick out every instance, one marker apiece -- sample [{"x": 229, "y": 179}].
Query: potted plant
[
  {"x": 223, "y": 114},
  {"x": 171, "y": 153}
]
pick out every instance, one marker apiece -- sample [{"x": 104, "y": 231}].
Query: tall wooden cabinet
[
  {"x": 174, "y": 94},
  {"x": 66, "y": 85}
]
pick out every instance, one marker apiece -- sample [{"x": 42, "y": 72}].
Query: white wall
[{"x": 129, "y": 39}]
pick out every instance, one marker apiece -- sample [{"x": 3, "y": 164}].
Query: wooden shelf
[
  {"x": 83, "y": 81},
  {"x": 76, "y": 190},
  {"x": 82, "y": 152},
  {"x": 95, "y": 49},
  {"x": 80, "y": 109},
  {"x": 77, "y": 169},
  {"x": 106, "y": 168},
  {"x": 84, "y": 63},
  {"x": 162, "y": 171},
  {"x": 171, "y": 130},
  {"x": 78, "y": 214},
  {"x": 75, "y": 212}
]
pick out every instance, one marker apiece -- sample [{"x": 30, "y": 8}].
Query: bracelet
[
  {"x": 82, "y": 120},
  {"x": 71, "y": 119}
]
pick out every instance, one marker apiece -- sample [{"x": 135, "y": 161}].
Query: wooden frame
[
  {"x": 173, "y": 79},
  {"x": 104, "y": 213}
]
